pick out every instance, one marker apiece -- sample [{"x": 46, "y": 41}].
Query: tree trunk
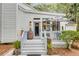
[{"x": 69, "y": 45}]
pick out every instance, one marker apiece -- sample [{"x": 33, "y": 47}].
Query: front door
[{"x": 36, "y": 29}]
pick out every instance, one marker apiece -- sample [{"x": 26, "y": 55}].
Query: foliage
[
  {"x": 52, "y": 7},
  {"x": 17, "y": 44},
  {"x": 49, "y": 44},
  {"x": 69, "y": 36},
  {"x": 70, "y": 9},
  {"x": 74, "y": 13},
  {"x": 76, "y": 37}
]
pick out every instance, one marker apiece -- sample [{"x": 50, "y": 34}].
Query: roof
[{"x": 29, "y": 9}]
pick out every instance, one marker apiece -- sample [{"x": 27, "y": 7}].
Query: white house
[
  {"x": 7, "y": 22},
  {"x": 17, "y": 17},
  {"x": 70, "y": 26}
]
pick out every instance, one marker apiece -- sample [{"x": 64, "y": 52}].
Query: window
[
  {"x": 62, "y": 28},
  {"x": 55, "y": 25},
  {"x": 58, "y": 25},
  {"x": 46, "y": 25},
  {"x": 48, "y": 34},
  {"x": 42, "y": 34}
]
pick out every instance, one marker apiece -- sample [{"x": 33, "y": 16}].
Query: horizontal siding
[
  {"x": 0, "y": 20},
  {"x": 8, "y": 22}
]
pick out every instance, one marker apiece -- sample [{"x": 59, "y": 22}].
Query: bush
[
  {"x": 49, "y": 44},
  {"x": 17, "y": 44},
  {"x": 69, "y": 36}
]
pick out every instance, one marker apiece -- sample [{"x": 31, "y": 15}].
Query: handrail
[{"x": 24, "y": 36}]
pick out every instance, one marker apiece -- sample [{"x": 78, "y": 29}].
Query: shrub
[
  {"x": 17, "y": 44},
  {"x": 49, "y": 44},
  {"x": 69, "y": 36}
]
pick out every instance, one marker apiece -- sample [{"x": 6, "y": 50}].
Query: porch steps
[{"x": 33, "y": 47}]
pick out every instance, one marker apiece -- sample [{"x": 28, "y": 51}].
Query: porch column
[
  {"x": 41, "y": 27},
  {"x": 51, "y": 29}
]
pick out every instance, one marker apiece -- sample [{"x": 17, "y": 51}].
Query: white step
[
  {"x": 33, "y": 41},
  {"x": 34, "y": 46},
  {"x": 41, "y": 45},
  {"x": 33, "y": 52},
  {"x": 41, "y": 53},
  {"x": 31, "y": 48}
]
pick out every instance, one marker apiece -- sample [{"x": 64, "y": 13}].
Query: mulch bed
[
  {"x": 4, "y": 48},
  {"x": 65, "y": 52}
]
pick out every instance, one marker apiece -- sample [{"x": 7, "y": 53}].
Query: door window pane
[
  {"x": 44, "y": 25},
  {"x": 55, "y": 25}
]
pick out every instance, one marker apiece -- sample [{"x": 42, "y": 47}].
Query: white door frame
[{"x": 34, "y": 28}]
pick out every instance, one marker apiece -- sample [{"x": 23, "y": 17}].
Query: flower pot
[
  {"x": 30, "y": 35},
  {"x": 16, "y": 52}
]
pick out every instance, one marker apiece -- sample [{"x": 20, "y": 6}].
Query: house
[
  {"x": 71, "y": 26},
  {"x": 7, "y": 23},
  {"x": 17, "y": 19}
]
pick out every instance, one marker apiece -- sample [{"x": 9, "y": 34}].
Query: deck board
[{"x": 4, "y": 48}]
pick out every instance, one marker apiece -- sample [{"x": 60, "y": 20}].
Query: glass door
[{"x": 36, "y": 29}]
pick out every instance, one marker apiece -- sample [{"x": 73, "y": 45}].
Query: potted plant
[
  {"x": 17, "y": 45},
  {"x": 30, "y": 32},
  {"x": 49, "y": 46}
]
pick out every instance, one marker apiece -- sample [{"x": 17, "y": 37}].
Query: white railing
[
  {"x": 23, "y": 40},
  {"x": 24, "y": 36},
  {"x": 55, "y": 35},
  {"x": 45, "y": 41}
]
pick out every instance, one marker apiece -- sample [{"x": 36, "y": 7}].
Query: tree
[
  {"x": 51, "y": 7},
  {"x": 70, "y": 9},
  {"x": 74, "y": 13}
]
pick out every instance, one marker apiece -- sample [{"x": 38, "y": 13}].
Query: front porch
[
  {"x": 45, "y": 27},
  {"x": 40, "y": 30}
]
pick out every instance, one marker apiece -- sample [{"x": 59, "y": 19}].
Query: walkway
[{"x": 5, "y": 48}]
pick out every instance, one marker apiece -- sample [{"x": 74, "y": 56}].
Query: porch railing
[
  {"x": 45, "y": 40},
  {"x": 55, "y": 35}
]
